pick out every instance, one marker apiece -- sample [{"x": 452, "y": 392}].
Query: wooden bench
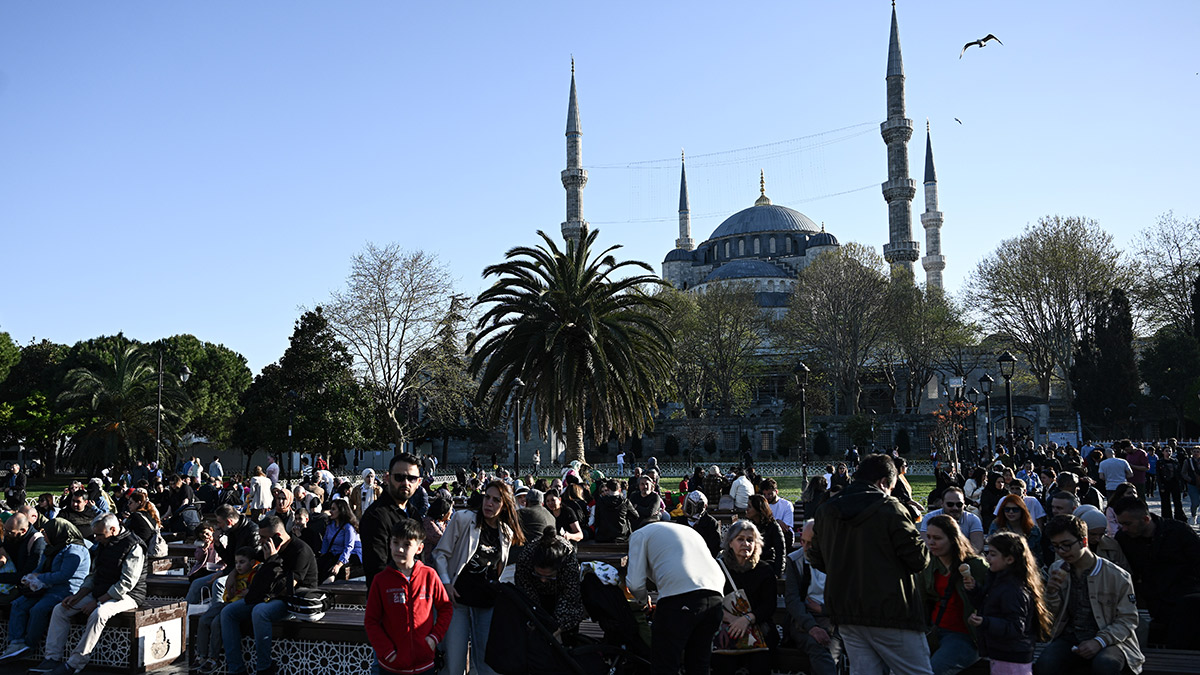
[
  {"x": 335, "y": 645},
  {"x": 348, "y": 595},
  {"x": 139, "y": 640}
]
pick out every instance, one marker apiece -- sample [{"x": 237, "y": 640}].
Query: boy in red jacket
[{"x": 401, "y": 604}]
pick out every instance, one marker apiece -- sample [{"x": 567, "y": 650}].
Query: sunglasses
[
  {"x": 953, "y": 504},
  {"x": 403, "y": 477},
  {"x": 1011, "y": 509}
]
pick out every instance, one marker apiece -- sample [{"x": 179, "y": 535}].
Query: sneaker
[
  {"x": 210, "y": 666},
  {"x": 64, "y": 669},
  {"x": 46, "y": 666},
  {"x": 14, "y": 651}
]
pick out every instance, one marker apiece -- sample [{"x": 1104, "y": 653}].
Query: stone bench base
[
  {"x": 336, "y": 645},
  {"x": 140, "y": 640}
]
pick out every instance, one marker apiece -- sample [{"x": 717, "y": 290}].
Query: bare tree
[
  {"x": 923, "y": 326},
  {"x": 1167, "y": 255},
  {"x": 392, "y": 310},
  {"x": 730, "y": 331},
  {"x": 1039, "y": 289},
  {"x": 839, "y": 314}
]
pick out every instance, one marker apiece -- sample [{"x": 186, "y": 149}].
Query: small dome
[
  {"x": 747, "y": 269},
  {"x": 679, "y": 254},
  {"x": 764, "y": 218},
  {"x": 822, "y": 238}
]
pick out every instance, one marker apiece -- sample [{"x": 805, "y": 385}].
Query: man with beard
[{"x": 402, "y": 481}]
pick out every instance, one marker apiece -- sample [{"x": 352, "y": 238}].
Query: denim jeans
[
  {"x": 208, "y": 631},
  {"x": 468, "y": 624},
  {"x": 955, "y": 653},
  {"x": 1058, "y": 659},
  {"x": 31, "y": 616},
  {"x": 1194, "y": 497},
  {"x": 197, "y": 586},
  {"x": 262, "y": 617}
]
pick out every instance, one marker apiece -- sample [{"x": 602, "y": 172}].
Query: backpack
[{"x": 1168, "y": 470}]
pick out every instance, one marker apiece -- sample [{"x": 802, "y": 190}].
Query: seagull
[
  {"x": 981, "y": 43},
  {"x": 958, "y": 120}
]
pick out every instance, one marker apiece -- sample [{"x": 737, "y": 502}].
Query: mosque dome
[
  {"x": 766, "y": 217},
  {"x": 679, "y": 254},
  {"x": 822, "y": 238},
  {"x": 747, "y": 268}
]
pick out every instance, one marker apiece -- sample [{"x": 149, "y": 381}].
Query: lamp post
[
  {"x": 518, "y": 386},
  {"x": 973, "y": 399},
  {"x": 183, "y": 377},
  {"x": 1008, "y": 366},
  {"x": 800, "y": 374},
  {"x": 293, "y": 397},
  {"x": 985, "y": 386}
]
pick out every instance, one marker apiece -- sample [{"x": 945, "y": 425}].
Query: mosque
[{"x": 766, "y": 245}]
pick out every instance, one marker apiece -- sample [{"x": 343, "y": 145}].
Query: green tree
[
  {"x": 219, "y": 377},
  {"x": 28, "y": 394},
  {"x": 1039, "y": 289},
  {"x": 1104, "y": 373},
  {"x": 839, "y": 315},
  {"x": 116, "y": 406},
  {"x": 10, "y": 353},
  {"x": 1171, "y": 367},
  {"x": 924, "y": 324},
  {"x": 861, "y": 430},
  {"x": 312, "y": 390},
  {"x": 583, "y": 338}
]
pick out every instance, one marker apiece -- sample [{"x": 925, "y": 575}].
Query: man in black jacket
[
  {"x": 646, "y": 502},
  {"x": 79, "y": 512},
  {"x": 236, "y": 531},
  {"x": 1164, "y": 561},
  {"x": 117, "y": 583},
  {"x": 15, "y": 488},
  {"x": 402, "y": 482},
  {"x": 290, "y": 569},
  {"x": 614, "y": 514},
  {"x": 24, "y": 546},
  {"x": 867, "y": 544}
]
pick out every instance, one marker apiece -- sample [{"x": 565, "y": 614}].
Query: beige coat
[
  {"x": 1113, "y": 603},
  {"x": 459, "y": 543}
]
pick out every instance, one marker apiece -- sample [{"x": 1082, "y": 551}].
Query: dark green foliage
[
  {"x": 28, "y": 413},
  {"x": 710, "y": 445},
  {"x": 789, "y": 437},
  {"x": 744, "y": 443},
  {"x": 1195, "y": 298},
  {"x": 1171, "y": 366},
  {"x": 1105, "y": 374},
  {"x": 821, "y": 444},
  {"x": 313, "y": 388},
  {"x": 671, "y": 447},
  {"x": 860, "y": 428},
  {"x": 635, "y": 447},
  {"x": 10, "y": 353},
  {"x": 903, "y": 442}
]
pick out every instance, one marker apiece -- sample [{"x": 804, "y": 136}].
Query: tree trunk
[{"x": 574, "y": 438}]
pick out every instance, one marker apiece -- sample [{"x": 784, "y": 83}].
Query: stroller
[{"x": 521, "y": 640}]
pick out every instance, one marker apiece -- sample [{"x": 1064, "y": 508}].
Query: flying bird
[
  {"x": 958, "y": 120},
  {"x": 981, "y": 43}
]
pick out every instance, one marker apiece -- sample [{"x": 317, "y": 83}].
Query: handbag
[
  {"x": 931, "y": 635},
  {"x": 737, "y": 604},
  {"x": 306, "y": 605}
]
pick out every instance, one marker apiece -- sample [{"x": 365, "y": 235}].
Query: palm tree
[
  {"x": 116, "y": 407},
  {"x": 586, "y": 344}
]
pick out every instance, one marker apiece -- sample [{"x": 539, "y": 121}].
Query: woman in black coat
[{"x": 773, "y": 547}]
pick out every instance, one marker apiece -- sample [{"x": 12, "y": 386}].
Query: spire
[
  {"x": 901, "y": 251},
  {"x": 762, "y": 200},
  {"x": 933, "y": 262},
  {"x": 930, "y": 174},
  {"x": 895, "y": 62},
  {"x": 574, "y": 177},
  {"x": 684, "y": 241}
]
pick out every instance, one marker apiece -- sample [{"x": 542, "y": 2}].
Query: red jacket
[{"x": 400, "y": 613}]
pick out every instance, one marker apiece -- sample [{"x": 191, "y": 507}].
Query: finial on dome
[
  {"x": 926, "y": 125},
  {"x": 762, "y": 190},
  {"x": 822, "y": 226},
  {"x": 573, "y": 62},
  {"x": 682, "y": 155}
]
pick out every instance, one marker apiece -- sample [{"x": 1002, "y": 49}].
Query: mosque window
[
  {"x": 741, "y": 247},
  {"x": 788, "y": 245},
  {"x": 726, "y": 249},
  {"x": 756, "y": 246},
  {"x": 772, "y": 245}
]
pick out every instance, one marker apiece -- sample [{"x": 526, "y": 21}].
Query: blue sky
[{"x": 209, "y": 168}]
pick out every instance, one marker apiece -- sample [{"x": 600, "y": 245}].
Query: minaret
[
  {"x": 901, "y": 251},
  {"x": 574, "y": 177},
  {"x": 684, "y": 241},
  {"x": 933, "y": 262}
]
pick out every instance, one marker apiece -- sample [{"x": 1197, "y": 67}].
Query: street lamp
[
  {"x": 985, "y": 385},
  {"x": 517, "y": 386},
  {"x": 1008, "y": 366},
  {"x": 800, "y": 374},
  {"x": 973, "y": 399},
  {"x": 183, "y": 377},
  {"x": 293, "y": 397}
]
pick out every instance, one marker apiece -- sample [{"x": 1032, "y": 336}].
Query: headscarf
[{"x": 59, "y": 533}]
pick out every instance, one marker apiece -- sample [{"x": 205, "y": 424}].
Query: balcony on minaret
[
  {"x": 899, "y": 188},
  {"x": 899, "y": 128},
  {"x": 934, "y": 262},
  {"x": 902, "y": 250}
]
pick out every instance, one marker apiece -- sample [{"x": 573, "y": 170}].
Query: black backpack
[{"x": 1167, "y": 470}]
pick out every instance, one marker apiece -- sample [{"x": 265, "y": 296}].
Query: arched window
[
  {"x": 741, "y": 247},
  {"x": 727, "y": 250},
  {"x": 772, "y": 245},
  {"x": 788, "y": 244},
  {"x": 756, "y": 245}
]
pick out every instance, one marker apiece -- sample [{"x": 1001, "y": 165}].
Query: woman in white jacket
[{"x": 470, "y": 557}]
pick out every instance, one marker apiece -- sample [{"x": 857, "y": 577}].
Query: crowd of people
[{"x": 1041, "y": 545}]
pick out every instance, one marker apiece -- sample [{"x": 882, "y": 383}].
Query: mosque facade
[{"x": 766, "y": 245}]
